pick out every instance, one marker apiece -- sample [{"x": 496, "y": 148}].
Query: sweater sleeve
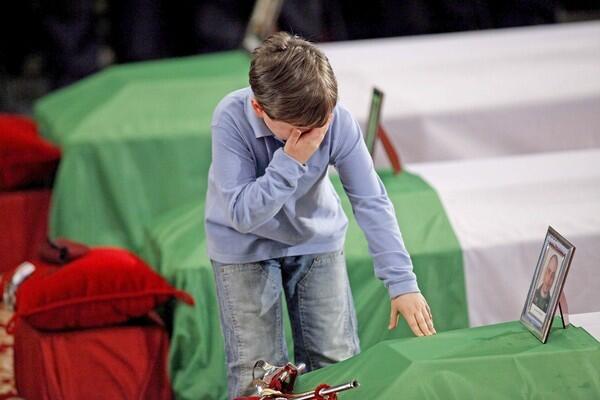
[
  {"x": 250, "y": 200},
  {"x": 372, "y": 208}
]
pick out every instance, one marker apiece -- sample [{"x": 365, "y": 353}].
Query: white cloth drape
[
  {"x": 478, "y": 94},
  {"x": 500, "y": 210}
]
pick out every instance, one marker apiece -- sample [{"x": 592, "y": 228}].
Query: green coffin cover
[
  {"x": 135, "y": 143},
  {"x": 175, "y": 244},
  {"x": 503, "y": 361}
]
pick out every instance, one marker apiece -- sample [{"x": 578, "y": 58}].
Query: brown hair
[{"x": 293, "y": 81}]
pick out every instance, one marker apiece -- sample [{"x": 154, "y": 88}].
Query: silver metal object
[
  {"x": 263, "y": 374},
  {"x": 22, "y": 272},
  {"x": 333, "y": 389}
]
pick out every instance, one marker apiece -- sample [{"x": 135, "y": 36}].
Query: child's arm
[
  {"x": 250, "y": 201},
  {"x": 375, "y": 215}
]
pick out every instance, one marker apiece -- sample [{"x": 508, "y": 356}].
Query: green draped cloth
[
  {"x": 136, "y": 143},
  {"x": 176, "y": 245},
  {"x": 501, "y": 361}
]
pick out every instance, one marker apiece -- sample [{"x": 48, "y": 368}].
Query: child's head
[{"x": 292, "y": 81}]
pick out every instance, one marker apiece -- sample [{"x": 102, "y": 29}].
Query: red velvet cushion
[
  {"x": 104, "y": 287},
  {"x": 25, "y": 158}
]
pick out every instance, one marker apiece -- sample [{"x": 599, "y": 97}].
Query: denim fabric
[{"x": 320, "y": 306}]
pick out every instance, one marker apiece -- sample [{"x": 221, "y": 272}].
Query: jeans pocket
[
  {"x": 228, "y": 269},
  {"x": 320, "y": 260},
  {"x": 327, "y": 258},
  {"x": 271, "y": 273}
]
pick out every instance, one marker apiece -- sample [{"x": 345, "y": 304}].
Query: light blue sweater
[{"x": 263, "y": 204}]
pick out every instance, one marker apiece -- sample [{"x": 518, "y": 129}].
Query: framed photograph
[
  {"x": 374, "y": 120},
  {"x": 547, "y": 284},
  {"x": 374, "y": 131}
]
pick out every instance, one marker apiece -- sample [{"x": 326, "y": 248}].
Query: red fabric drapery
[
  {"x": 23, "y": 225},
  {"x": 121, "y": 362}
]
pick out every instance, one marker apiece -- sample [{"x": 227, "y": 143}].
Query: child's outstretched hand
[
  {"x": 416, "y": 312},
  {"x": 302, "y": 145}
]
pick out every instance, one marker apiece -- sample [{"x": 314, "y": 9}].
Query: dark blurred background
[{"x": 47, "y": 44}]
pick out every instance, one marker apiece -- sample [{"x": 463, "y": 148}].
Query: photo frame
[
  {"x": 374, "y": 122},
  {"x": 374, "y": 131},
  {"x": 547, "y": 284}
]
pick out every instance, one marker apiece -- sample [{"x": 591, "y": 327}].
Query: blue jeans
[{"x": 319, "y": 303}]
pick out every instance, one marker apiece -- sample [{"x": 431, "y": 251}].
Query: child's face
[{"x": 282, "y": 130}]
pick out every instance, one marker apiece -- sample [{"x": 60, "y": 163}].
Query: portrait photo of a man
[{"x": 541, "y": 299}]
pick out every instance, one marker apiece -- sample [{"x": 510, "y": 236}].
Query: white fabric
[
  {"x": 500, "y": 210},
  {"x": 589, "y": 321},
  {"x": 478, "y": 94}
]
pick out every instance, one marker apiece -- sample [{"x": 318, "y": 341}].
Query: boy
[{"x": 274, "y": 221}]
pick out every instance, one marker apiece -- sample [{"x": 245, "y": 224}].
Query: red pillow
[
  {"x": 106, "y": 286},
  {"x": 25, "y": 158}
]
